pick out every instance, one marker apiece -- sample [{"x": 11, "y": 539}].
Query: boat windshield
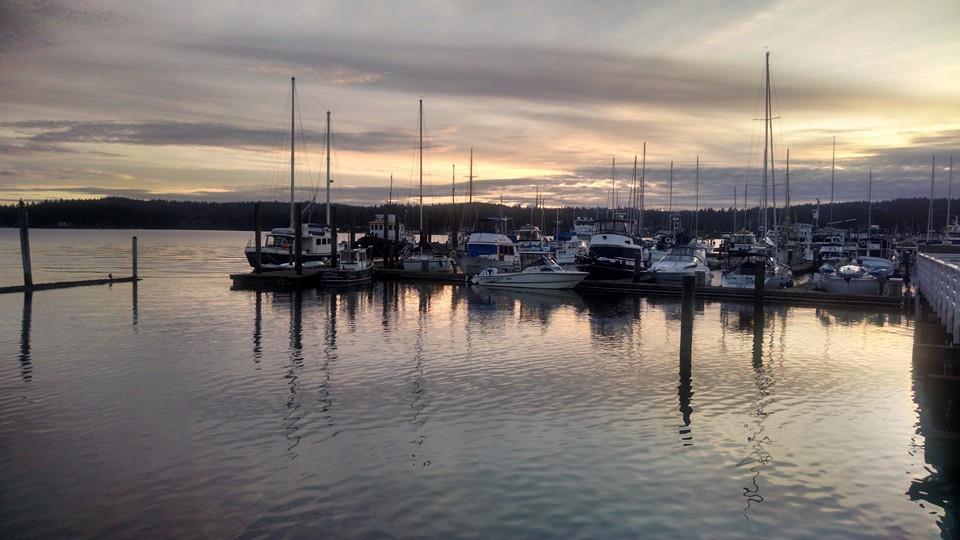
[
  {"x": 490, "y": 225},
  {"x": 278, "y": 241},
  {"x": 610, "y": 227}
]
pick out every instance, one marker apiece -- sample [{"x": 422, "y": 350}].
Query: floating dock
[{"x": 802, "y": 295}]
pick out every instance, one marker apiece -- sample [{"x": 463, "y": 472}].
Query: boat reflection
[
  {"x": 294, "y": 369},
  {"x": 758, "y": 440}
]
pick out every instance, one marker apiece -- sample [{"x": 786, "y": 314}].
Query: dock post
[
  {"x": 25, "y": 247},
  {"x": 759, "y": 274},
  {"x": 686, "y": 325},
  {"x": 133, "y": 255},
  {"x": 637, "y": 266},
  {"x": 298, "y": 239},
  {"x": 333, "y": 238},
  {"x": 256, "y": 238}
]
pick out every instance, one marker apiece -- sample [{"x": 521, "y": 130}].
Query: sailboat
[
  {"x": 744, "y": 258},
  {"x": 277, "y": 251},
  {"x": 425, "y": 260}
]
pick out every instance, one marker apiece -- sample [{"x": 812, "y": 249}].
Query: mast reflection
[
  {"x": 134, "y": 309},
  {"x": 258, "y": 330},
  {"x": 294, "y": 368},
  {"x": 418, "y": 403},
  {"x": 758, "y": 439}
]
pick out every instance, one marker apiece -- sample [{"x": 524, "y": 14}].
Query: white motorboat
[
  {"x": 488, "y": 246},
  {"x": 612, "y": 253},
  {"x": 353, "y": 266},
  {"x": 849, "y": 279},
  {"x": 547, "y": 274},
  {"x": 583, "y": 228},
  {"x": 681, "y": 261}
]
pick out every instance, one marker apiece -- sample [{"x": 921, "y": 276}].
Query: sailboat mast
[
  {"x": 833, "y": 170},
  {"x": 470, "y": 197},
  {"x": 870, "y": 201},
  {"x": 643, "y": 181},
  {"x": 786, "y": 211},
  {"x": 390, "y": 198},
  {"x": 766, "y": 140},
  {"x": 420, "y": 121},
  {"x": 949, "y": 190},
  {"x": 613, "y": 185},
  {"x": 633, "y": 191},
  {"x": 293, "y": 116},
  {"x": 773, "y": 177},
  {"x": 933, "y": 172},
  {"x": 453, "y": 185},
  {"x": 696, "y": 212},
  {"x": 673, "y": 230},
  {"x": 735, "y": 203},
  {"x": 328, "y": 170}
]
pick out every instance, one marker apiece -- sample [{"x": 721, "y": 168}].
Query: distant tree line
[{"x": 898, "y": 215}]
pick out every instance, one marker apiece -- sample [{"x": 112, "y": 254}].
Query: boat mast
[
  {"x": 735, "y": 203},
  {"x": 633, "y": 191},
  {"x": 833, "y": 170},
  {"x": 766, "y": 140},
  {"x": 420, "y": 120},
  {"x": 949, "y": 190},
  {"x": 786, "y": 210},
  {"x": 293, "y": 100},
  {"x": 673, "y": 229},
  {"x": 453, "y": 185},
  {"x": 470, "y": 197},
  {"x": 773, "y": 178},
  {"x": 696, "y": 212},
  {"x": 328, "y": 171},
  {"x": 870, "y": 201},
  {"x": 933, "y": 172},
  {"x": 643, "y": 178},
  {"x": 613, "y": 186},
  {"x": 390, "y": 198}
]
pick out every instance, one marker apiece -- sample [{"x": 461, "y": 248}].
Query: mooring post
[
  {"x": 333, "y": 238},
  {"x": 759, "y": 273},
  {"x": 256, "y": 238},
  {"x": 25, "y": 247},
  {"x": 133, "y": 255},
  {"x": 298, "y": 239},
  {"x": 637, "y": 267},
  {"x": 686, "y": 323}
]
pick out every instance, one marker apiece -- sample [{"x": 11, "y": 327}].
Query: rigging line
[{"x": 274, "y": 160}]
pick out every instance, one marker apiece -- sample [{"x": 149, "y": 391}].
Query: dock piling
[
  {"x": 256, "y": 238},
  {"x": 133, "y": 256},
  {"x": 686, "y": 323},
  {"x": 396, "y": 241},
  {"x": 25, "y": 246},
  {"x": 759, "y": 273},
  {"x": 637, "y": 267}
]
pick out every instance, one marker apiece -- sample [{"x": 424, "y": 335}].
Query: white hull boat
[
  {"x": 547, "y": 275},
  {"x": 849, "y": 279},
  {"x": 428, "y": 263}
]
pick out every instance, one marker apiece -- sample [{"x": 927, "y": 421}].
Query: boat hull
[
  {"x": 276, "y": 257},
  {"x": 414, "y": 264},
  {"x": 529, "y": 280},
  {"x": 700, "y": 278},
  {"x": 838, "y": 285},
  {"x": 474, "y": 265},
  {"x": 334, "y": 277}
]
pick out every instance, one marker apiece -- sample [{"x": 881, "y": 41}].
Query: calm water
[{"x": 182, "y": 408}]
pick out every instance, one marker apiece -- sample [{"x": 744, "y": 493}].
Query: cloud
[{"x": 43, "y": 135}]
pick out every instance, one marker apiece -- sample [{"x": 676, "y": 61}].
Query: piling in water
[
  {"x": 25, "y": 247},
  {"x": 133, "y": 257},
  {"x": 759, "y": 273},
  {"x": 686, "y": 323}
]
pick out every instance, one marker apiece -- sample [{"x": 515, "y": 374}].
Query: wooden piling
[
  {"x": 25, "y": 247},
  {"x": 298, "y": 239},
  {"x": 637, "y": 267},
  {"x": 133, "y": 256},
  {"x": 257, "y": 258},
  {"x": 686, "y": 324}
]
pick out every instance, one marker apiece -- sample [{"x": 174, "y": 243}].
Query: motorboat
[
  {"x": 583, "y": 228},
  {"x": 612, "y": 253},
  {"x": 428, "y": 261},
  {"x": 681, "y": 261},
  {"x": 567, "y": 248},
  {"x": 546, "y": 274},
  {"x": 353, "y": 266},
  {"x": 741, "y": 267},
  {"x": 488, "y": 246},
  {"x": 849, "y": 279},
  {"x": 529, "y": 239},
  {"x": 278, "y": 246}
]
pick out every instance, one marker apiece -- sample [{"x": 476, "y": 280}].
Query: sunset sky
[{"x": 190, "y": 100}]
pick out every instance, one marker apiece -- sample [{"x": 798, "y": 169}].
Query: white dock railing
[{"x": 938, "y": 279}]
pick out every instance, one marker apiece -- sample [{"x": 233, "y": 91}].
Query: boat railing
[{"x": 938, "y": 280}]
